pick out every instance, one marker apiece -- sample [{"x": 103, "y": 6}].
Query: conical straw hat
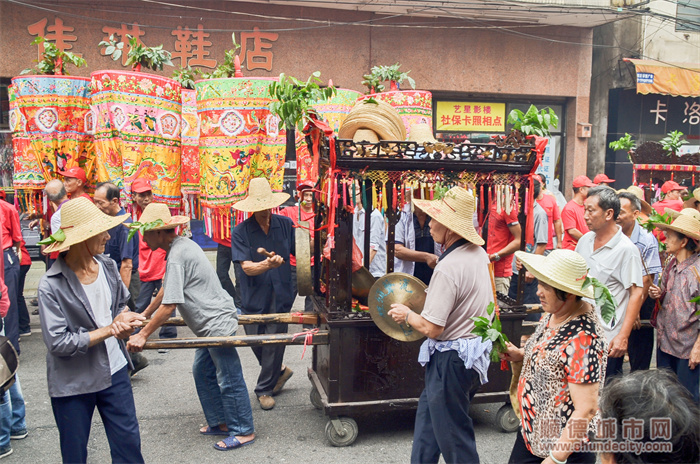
[
  {"x": 683, "y": 224},
  {"x": 260, "y": 197},
  {"x": 156, "y": 211},
  {"x": 378, "y": 116},
  {"x": 365, "y": 135},
  {"x": 690, "y": 202},
  {"x": 455, "y": 211},
  {"x": 421, "y": 133},
  {"x": 639, "y": 193},
  {"x": 692, "y": 212},
  {"x": 562, "y": 269},
  {"x": 81, "y": 220}
]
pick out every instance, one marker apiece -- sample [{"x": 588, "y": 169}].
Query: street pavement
[{"x": 170, "y": 415}]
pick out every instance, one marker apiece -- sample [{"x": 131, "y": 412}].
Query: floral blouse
[
  {"x": 676, "y": 323},
  {"x": 576, "y": 352}
]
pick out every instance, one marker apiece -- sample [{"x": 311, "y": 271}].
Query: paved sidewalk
[{"x": 169, "y": 415}]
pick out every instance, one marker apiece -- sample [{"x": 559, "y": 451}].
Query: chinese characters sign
[{"x": 470, "y": 116}]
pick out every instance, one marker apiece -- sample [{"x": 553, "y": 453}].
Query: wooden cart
[{"x": 361, "y": 370}]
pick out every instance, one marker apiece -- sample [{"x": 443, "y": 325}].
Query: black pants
[
  {"x": 223, "y": 265},
  {"x": 12, "y": 281},
  {"x": 521, "y": 455},
  {"x": 443, "y": 425},
  {"x": 614, "y": 368},
  {"x": 73, "y": 415},
  {"x": 640, "y": 345},
  {"x": 21, "y": 304}
]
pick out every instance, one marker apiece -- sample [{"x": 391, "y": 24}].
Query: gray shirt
[
  {"x": 190, "y": 282},
  {"x": 405, "y": 234},
  {"x": 377, "y": 239},
  {"x": 541, "y": 231},
  {"x": 66, "y": 318}
]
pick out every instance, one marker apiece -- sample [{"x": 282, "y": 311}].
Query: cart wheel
[
  {"x": 506, "y": 419},
  {"x": 315, "y": 398},
  {"x": 350, "y": 428}
]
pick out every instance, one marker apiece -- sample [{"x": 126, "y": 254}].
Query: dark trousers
[
  {"x": 11, "y": 320},
  {"x": 614, "y": 368},
  {"x": 146, "y": 293},
  {"x": 238, "y": 275},
  {"x": 223, "y": 265},
  {"x": 443, "y": 424},
  {"x": 690, "y": 379},
  {"x": 21, "y": 304},
  {"x": 521, "y": 455},
  {"x": 640, "y": 345},
  {"x": 529, "y": 295},
  {"x": 115, "y": 404}
]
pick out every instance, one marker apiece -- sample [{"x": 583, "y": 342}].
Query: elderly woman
[
  {"x": 678, "y": 327},
  {"x": 455, "y": 360},
  {"x": 563, "y": 364},
  {"x": 81, "y": 303}
]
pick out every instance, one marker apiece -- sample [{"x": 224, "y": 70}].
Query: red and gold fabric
[
  {"x": 137, "y": 134},
  {"x": 414, "y": 106},
  {"x": 190, "y": 143}
]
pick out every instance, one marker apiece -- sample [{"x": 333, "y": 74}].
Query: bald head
[{"x": 55, "y": 191}]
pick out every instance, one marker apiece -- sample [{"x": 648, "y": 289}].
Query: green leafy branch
[
  {"x": 623, "y": 143},
  {"x": 379, "y": 74},
  {"x": 139, "y": 55},
  {"x": 603, "y": 298},
  {"x": 654, "y": 219},
  {"x": 53, "y": 60},
  {"x": 491, "y": 330},
  {"x": 293, "y": 99},
  {"x": 673, "y": 142},
  {"x": 57, "y": 236},
  {"x": 143, "y": 227},
  {"x": 534, "y": 121},
  {"x": 186, "y": 77}
]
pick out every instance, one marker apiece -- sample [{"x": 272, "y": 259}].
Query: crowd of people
[{"x": 104, "y": 295}]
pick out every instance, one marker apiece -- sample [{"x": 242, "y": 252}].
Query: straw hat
[
  {"x": 562, "y": 269},
  {"x": 155, "y": 211},
  {"x": 683, "y": 224},
  {"x": 81, "y": 220},
  {"x": 365, "y": 135},
  {"x": 455, "y": 211},
  {"x": 690, "y": 202},
  {"x": 421, "y": 133},
  {"x": 260, "y": 197},
  {"x": 378, "y": 116},
  {"x": 639, "y": 193},
  {"x": 692, "y": 212}
]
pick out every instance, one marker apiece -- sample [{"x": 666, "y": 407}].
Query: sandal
[
  {"x": 215, "y": 431},
  {"x": 231, "y": 443}
]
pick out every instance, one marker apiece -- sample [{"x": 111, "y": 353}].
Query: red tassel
[
  {"x": 394, "y": 195},
  {"x": 504, "y": 365}
]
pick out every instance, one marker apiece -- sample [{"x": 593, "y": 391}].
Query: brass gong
[
  {"x": 303, "y": 255},
  {"x": 396, "y": 287}
]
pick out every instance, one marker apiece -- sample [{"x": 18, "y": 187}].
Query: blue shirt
[
  {"x": 649, "y": 248},
  {"x": 259, "y": 292},
  {"x": 118, "y": 248}
]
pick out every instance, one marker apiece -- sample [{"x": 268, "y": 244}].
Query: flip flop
[
  {"x": 215, "y": 431},
  {"x": 232, "y": 443}
]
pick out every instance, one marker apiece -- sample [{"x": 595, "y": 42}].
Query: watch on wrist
[{"x": 496, "y": 257}]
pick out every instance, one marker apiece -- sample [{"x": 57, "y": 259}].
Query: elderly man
[
  {"x": 456, "y": 361},
  {"x": 82, "y": 303},
  {"x": 615, "y": 261},
  {"x": 191, "y": 285},
  {"x": 75, "y": 181},
  {"x": 641, "y": 340},
  {"x": 266, "y": 286}
]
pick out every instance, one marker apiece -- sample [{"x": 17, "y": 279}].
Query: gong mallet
[{"x": 266, "y": 253}]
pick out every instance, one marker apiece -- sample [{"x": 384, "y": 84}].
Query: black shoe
[
  {"x": 35, "y": 312},
  {"x": 140, "y": 362},
  {"x": 34, "y": 302}
]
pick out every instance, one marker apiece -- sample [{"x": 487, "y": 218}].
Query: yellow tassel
[
  {"x": 384, "y": 207},
  {"x": 374, "y": 196}
]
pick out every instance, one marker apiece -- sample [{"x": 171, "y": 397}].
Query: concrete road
[{"x": 170, "y": 414}]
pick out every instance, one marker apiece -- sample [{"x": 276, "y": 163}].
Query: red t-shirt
[
  {"x": 292, "y": 212},
  {"x": 549, "y": 204},
  {"x": 221, "y": 241},
  {"x": 11, "y": 230},
  {"x": 660, "y": 206},
  {"x": 26, "y": 259},
  {"x": 499, "y": 236},
  {"x": 572, "y": 218},
  {"x": 151, "y": 263}
]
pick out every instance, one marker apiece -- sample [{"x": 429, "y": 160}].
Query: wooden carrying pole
[
  {"x": 280, "y": 318},
  {"x": 318, "y": 338}
]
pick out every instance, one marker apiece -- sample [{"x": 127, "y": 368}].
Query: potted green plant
[
  {"x": 534, "y": 121},
  {"x": 625, "y": 143},
  {"x": 231, "y": 67},
  {"x": 293, "y": 99},
  {"x": 53, "y": 60},
  {"x": 139, "y": 55},
  {"x": 186, "y": 77},
  {"x": 673, "y": 142},
  {"x": 382, "y": 73}
]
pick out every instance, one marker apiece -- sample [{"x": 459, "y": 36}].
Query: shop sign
[{"x": 470, "y": 116}]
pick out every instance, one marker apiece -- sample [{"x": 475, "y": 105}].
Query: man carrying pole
[{"x": 190, "y": 284}]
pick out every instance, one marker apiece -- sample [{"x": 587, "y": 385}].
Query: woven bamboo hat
[
  {"x": 377, "y": 116},
  {"x": 260, "y": 197},
  {"x": 690, "y": 202},
  {"x": 421, "y": 133},
  {"x": 365, "y": 135},
  {"x": 81, "y": 220},
  {"x": 156, "y": 211},
  {"x": 692, "y": 212},
  {"x": 639, "y": 193},
  {"x": 562, "y": 269},
  {"x": 683, "y": 224},
  {"x": 455, "y": 211}
]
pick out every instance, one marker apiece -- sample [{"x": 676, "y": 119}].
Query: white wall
[{"x": 662, "y": 41}]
